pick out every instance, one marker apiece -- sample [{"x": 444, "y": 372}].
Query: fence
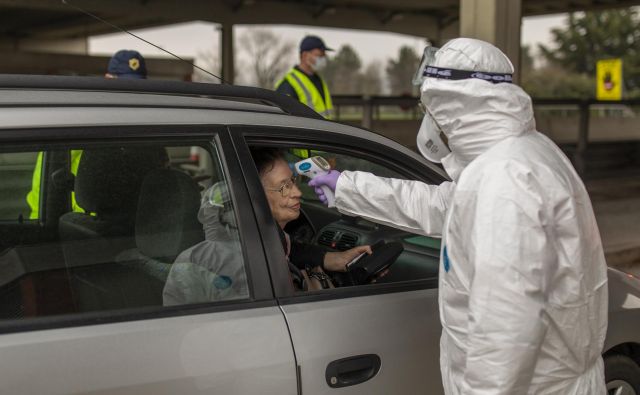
[{"x": 573, "y": 123}]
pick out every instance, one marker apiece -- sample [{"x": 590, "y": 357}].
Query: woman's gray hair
[{"x": 265, "y": 158}]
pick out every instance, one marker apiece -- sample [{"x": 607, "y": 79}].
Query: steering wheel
[
  {"x": 300, "y": 229},
  {"x": 369, "y": 266}
]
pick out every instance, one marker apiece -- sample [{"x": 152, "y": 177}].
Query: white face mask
[{"x": 320, "y": 63}]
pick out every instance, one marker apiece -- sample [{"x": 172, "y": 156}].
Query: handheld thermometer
[{"x": 315, "y": 166}]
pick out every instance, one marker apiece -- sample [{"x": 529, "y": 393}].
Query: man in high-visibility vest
[
  {"x": 303, "y": 82},
  {"x": 123, "y": 64}
]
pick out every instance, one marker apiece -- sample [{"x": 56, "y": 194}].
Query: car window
[
  {"x": 122, "y": 226},
  {"x": 410, "y": 256},
  {"x": 16, "y": 171}
]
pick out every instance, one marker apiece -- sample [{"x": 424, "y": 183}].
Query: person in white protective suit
[
  {"x": 212, "y": 270},
  {"x": 523, "y": 282}
]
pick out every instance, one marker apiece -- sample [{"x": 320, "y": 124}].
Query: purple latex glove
[{"x": 329, "y": 180}]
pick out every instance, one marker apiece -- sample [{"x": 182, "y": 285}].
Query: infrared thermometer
[{"x": 315, "y": 166}]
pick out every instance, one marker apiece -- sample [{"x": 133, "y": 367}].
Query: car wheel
[{"x": 622, "y": 375}]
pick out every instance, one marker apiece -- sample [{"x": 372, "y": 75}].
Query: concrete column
[
  {"x": 495, "y": 21},
  {"x": 226, "y": 52}
]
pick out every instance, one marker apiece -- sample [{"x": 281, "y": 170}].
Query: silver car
[{"x": 102, "y": 182}]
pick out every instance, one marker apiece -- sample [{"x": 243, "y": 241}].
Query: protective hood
[
  {"x": 474, "y": 114},
  {"x": 216, "y": 213},
  {"x": 212, "y": 270}
]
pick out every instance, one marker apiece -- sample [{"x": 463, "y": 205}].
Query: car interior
[
  {"x": 140, "y": 207},
  {"x": 326, "y": 227}
]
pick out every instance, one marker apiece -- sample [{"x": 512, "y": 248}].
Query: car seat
[
  {"x": 166, "y": 222},
  {"x": 107, "y": 187}
]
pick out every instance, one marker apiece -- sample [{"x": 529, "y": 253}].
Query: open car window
[
  {"x": 337, "y": 161},
  {"x": 409, "y": 256}
]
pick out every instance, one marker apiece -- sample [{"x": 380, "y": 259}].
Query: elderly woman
[{"x": 284, "y": 201}]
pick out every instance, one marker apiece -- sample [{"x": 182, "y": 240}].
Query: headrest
[
  {"x": 108, "y": 180},
  {"x": 167, "y": 217}
]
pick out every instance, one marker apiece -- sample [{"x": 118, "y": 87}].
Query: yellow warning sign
[{"x": 609, "y": 79}]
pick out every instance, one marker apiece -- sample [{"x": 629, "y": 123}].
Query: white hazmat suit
[
  {"x": 212, "y": 270},
  {"x": 523, "y": 283}
]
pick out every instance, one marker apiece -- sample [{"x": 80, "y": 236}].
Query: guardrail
[{"x": 368, "y": 110}]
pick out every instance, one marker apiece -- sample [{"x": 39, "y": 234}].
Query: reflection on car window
[
  {"x": 122, "y": 227},
  {"x": 17, "y": 169}
]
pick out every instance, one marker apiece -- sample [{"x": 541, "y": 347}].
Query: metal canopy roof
[{"x": 41, "y": 19}]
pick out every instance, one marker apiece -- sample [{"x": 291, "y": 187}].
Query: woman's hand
[{"x": 337, "y": 261}]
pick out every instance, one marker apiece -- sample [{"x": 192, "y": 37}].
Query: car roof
[
  {"x": 177, "y": 93},
  {"x": 53, "y": 101},
  {"x": 66, "y": 98}
]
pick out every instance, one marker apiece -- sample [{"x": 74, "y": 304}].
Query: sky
[{"x": 194, "y": 39}]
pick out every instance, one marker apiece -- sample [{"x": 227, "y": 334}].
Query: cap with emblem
[
  {"x": 127, "y": 64},
  {"x": 312, "y": 42}
]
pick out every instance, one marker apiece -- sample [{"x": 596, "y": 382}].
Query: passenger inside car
[
  {"x": 213, "y": 269},
  {"x": 306, "y": 262}
]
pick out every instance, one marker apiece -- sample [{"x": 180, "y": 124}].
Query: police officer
[
  {"x": 123, "y": 64},
  {"x": 303, "y": 82}
]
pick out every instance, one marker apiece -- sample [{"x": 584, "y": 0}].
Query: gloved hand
[{"x": 330, "y": 180}]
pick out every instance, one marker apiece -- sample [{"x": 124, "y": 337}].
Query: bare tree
[
  {"x": 343, "y": 71},
  {"x": 268, "y": 56},
  {"x": 209, "y": 61}
]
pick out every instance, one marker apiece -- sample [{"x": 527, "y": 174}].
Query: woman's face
[{"x": 283, "y": 208}]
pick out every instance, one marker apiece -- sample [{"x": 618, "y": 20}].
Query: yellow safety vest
[
  {"x": 33, "y": 197},
  {"x": 307, "y": 92}
]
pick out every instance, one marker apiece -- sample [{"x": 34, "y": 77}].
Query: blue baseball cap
[
  {"x": 127, "y": 63},
  {"x": 312, "y": 42}
]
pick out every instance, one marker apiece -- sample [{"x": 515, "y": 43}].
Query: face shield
[
  {"x": 216, "y": 212},
  {"x": 428, "y": 59}
]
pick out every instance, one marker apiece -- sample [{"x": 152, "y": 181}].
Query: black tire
[{"x": 622, "y": 374}]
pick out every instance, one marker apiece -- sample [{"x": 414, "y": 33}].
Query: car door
[
  {"x": 90, "y": 311},
  {"x": 379, "y": 338}
]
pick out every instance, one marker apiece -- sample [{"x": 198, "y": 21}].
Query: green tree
[
  {"x": 400, "y": 71},
  {"x": 591, "y": 36},
  {"x": 371, "y": 79},
  {"x": 527, "y": 60},
  {"x": 555, "y": 82},
  {"x": 552, "y": 80},
  {"x": 342, "y": 72}
]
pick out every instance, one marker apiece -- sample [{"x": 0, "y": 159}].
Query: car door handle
[{"x": 352, "y": 370}]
